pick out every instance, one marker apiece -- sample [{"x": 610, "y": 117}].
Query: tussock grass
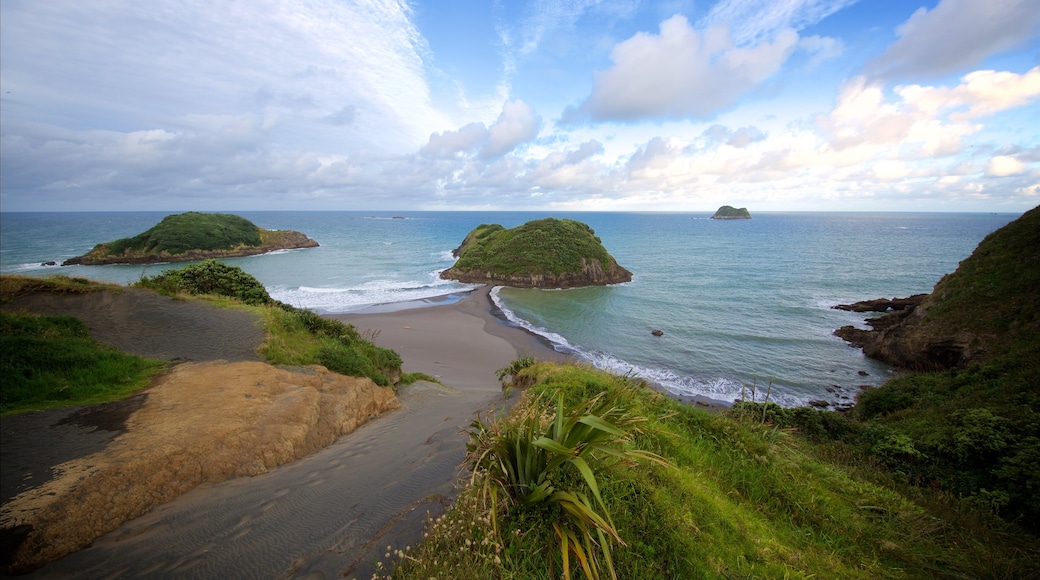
[{"x": 745, "y": 499}]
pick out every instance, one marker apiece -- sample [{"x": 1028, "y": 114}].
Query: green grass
[
  {"x": 51, "y": 362},
  {"x": 300, "y": 337},
  {"x": 549, "y": 246},
  {"x": 54, "y": 363},
  {"x": 746, "y": 499}
]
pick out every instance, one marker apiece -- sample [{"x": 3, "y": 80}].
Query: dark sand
[
  {"x": 334, "y": 512},
  {"x": 135, "y": 321}
]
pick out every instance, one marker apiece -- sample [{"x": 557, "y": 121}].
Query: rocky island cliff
[
  {"x": 728, "y": 212},
  {"x": 545, "y": 253},
  {"x": 989, "y": 304},
  {"x": 192, "y": 236}
]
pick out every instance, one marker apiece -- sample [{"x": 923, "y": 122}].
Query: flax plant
[{"x": 530, "y": 461}]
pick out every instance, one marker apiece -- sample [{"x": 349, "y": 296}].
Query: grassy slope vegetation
[
  {"x": 51, "y": 361},
  {"x": 295, "y": 336},
  {"x": 549, "y": 246},
  {"x": 743, "y": 498},
  {"x": 177, "y": 234},
  {"x": 975, "y": 431}
]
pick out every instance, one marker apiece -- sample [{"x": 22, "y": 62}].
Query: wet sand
[{"x": 333, "y": 513}]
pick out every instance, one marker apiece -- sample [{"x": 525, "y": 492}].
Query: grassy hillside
[
  {"x": 736, "y": 496},
  {"x": 994, "y": 295},
  {"x": 51, "y": 361},
  {"x": 545, "y": 246}
]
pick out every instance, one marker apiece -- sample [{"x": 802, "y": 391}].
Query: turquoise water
[{"x": 738, "y": 301}]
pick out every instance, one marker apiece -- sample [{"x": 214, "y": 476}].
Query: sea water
[{"x": 740, "y": 303}]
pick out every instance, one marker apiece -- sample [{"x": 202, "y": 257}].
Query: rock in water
[{"x": 728, "y": 212}]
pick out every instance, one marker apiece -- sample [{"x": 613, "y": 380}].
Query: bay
[{"x": 740, "y": 303}]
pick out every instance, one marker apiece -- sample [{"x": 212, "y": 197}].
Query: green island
[
  {"x": 545, "y": 253},
  {"x": 193, "y": 236},
  {"x": 728, "y": 212}
]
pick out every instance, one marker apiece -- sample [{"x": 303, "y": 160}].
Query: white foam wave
[
  {"x": 347, "y": 299},
  {"x": 718, "y": 388}
]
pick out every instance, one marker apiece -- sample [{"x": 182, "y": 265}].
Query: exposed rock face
[
  {"x": 283, "y": 240},
  {"x": 728, "y": 212},
  {"x": 988, "y": 305},
  {"x": 895, "y": 337},
  {"x": 547, "y": 253},
  {"x": 204, "y": 422},
  {"x": 591, "y": 274}
]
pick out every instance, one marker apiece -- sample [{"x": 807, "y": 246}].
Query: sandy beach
[{"x": 332, "y": 512}]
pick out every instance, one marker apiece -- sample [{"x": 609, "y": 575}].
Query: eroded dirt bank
[{"x": 204, "y": 422}]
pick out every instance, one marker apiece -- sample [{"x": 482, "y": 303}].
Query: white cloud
[
  {"x": 517, "y": 124},
  {"x": 955, "y": 35},
  {"x": 752, "y": 21},
  {"x": 1004, "y": 166},
  {"x": 680, "y": 73}
]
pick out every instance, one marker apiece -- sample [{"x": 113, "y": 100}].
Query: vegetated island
[
  {"x": 728, "y": 212},
  {"x": 545, "y": 253},
  {"x": 193, "y": 236}
]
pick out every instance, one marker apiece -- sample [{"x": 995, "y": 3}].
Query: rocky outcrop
[
  {"x": 203, "y": 423},
  {"x": 989, "y": 305},
  {"x": 728, "y": 212},
  {"x": 547, "y": 253},
  {"x": 281, "y": 240},
  {"x": 896, "y": 337},
  {"x": 592, "y": 273}
]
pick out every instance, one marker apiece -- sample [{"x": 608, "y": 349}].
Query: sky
[{"x": 580, "y": 105}]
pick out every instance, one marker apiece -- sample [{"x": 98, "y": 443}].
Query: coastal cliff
[
  {"x": 546, "y": 253},
  {"x": 980, "y": 311},
  {"x": 193, "y": 236}
]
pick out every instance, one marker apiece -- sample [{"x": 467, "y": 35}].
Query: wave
[
  {"x": 346, "y": 299},
  {"x": 678, "y": 385}
]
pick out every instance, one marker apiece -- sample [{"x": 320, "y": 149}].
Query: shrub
[{"x": 210, "y": 277}]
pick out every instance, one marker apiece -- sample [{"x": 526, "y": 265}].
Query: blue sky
[{"x": 872, "y": 105}]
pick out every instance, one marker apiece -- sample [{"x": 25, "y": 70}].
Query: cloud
[
  {"x": 955, "y": 35},
  {"x": 516, "y": 124},
  {"x": 980, "y": 93},
  {"x": 1004, "y": 166},
  {"x": 752, "y": 21},
  {"x": 742, "y": 137},
  {"x": 680, "y": 73}
]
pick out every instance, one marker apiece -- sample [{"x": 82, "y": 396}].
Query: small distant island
[
  {"x": 545, "y": 253},
  {"x": 193, "y": 236},
  {"x": 728, "y": 212}
]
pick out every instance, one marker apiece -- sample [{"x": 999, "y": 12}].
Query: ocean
[{"x": 739, "y": 303}]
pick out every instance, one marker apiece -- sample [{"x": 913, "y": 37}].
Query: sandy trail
[{"x": 334, "y": 512}]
